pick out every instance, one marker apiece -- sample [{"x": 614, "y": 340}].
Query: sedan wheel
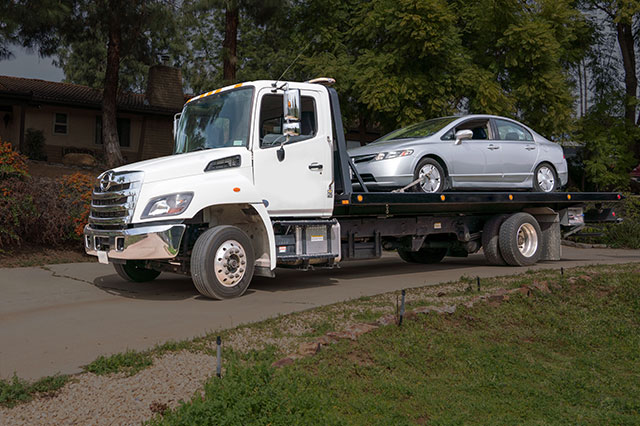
[
  {"x": 545, "y": 179},
  {"x": 431, "y": 175}
]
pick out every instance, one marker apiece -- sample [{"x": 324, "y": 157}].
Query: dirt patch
[{"x": 26, "y": 256}]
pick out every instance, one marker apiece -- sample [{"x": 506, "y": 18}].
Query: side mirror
[
  {"x": 292, "y": 112},
  {"x": 176, "y": 120},
  {"x": 462, "y": 135}
]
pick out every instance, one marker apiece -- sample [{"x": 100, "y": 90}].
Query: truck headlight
[
  {"x": 393, "y": 154},
  {"x": 168, "y": 205}
]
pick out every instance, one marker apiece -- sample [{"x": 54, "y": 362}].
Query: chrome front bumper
[{"x": 146, "y": 242}]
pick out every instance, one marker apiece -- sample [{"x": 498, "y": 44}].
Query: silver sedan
[{"x": 470, "y": 152}]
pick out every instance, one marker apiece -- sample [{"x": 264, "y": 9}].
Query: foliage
[
  {"x": 16, "y": 390},
  {"x": 76, "y": 190},
  {"x": 44, "y": 211},
  {"x": 129, "y": 362},
  {"x": 492, "y": 363},
  {"x": 627, "y": 233},
  {"x": 608, "y": 157},
  {"x": 12, "y": 163},
  {"x": 34, "y": 141}
]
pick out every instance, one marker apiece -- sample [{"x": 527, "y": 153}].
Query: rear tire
[
  {"x": 222, "y": 262},
  {"x": 132, "y": 271},
  {"x": 490, "y": 238},
  {"x": 545, "y": 178},
  {"x": 425, "y": 255},
  {"x": 520, "y": 240}
]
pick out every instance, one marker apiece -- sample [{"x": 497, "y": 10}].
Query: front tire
[
  {"x": 134, "y": 272},
  {"x": 545, "y": 178},
  {"x": 222, "y": 262},
  {"x": 520, "y": 240},
  {"x": 433, "y": 174}
]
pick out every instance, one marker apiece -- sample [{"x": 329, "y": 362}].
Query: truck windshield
[
  {"x": 419, "y": 130},
  {"x": 215, "y": 121}
]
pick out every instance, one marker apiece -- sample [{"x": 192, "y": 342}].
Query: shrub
[
  {"x": 44, "y": 211},
  {"x": 627, "y": 233},
  {"x": 12, "y": 163},
  {"x": 34, "y": 144}
]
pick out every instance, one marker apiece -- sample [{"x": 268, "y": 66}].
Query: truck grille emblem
[{"x": 106, "y": 181}]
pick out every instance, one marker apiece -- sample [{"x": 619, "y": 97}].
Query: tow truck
[{"x": 261, "y": 178}]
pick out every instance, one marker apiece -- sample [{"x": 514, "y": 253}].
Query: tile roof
[{"x": 72, "y": 94}]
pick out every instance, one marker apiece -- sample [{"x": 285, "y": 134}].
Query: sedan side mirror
[{"x": 462, "y": 135}]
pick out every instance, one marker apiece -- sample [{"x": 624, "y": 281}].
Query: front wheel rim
[
  {"x": 527, "y": 240},
  {"x": 230, "y": 263},
  {"x": 546, "y": 179},
  {"x": 430, "y": 179}
]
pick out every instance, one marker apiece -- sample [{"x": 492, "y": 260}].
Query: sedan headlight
[
  {"x": 168, "y": 205},
  {"x": 393, "y": 154}
]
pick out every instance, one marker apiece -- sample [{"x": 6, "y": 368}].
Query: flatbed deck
[{"x": 456, "y": 203}]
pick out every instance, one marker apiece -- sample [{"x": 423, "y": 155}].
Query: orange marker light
[
  {"x": 236, "y": 189},
  {"x": 510, "y": 197},
  {"x": 568, "y": 196},
  {"x": 442, "y": 197},
  {"x": 345, "y": 201},
  {"x": 237, "y": 85},
  {"x": 359, "y": 197}
]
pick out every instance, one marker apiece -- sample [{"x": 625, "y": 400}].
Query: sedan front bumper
[{"x": 146, "y": 242}]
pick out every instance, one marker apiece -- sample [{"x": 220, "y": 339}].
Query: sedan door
[
  {"x": 516, "y": 153},
  {"x": 468, "y": 160}
]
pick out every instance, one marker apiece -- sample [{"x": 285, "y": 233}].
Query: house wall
[
  {"x": 81, "y": 131},
  {"x": 158, "y": 137},
  {"x": 11, "y": 130}
]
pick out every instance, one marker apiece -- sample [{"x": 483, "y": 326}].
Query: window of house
[
  {"x": 60, "y": 123},
  {"x": 272, "y": 118},
  {"x": 124, "y": 131}
]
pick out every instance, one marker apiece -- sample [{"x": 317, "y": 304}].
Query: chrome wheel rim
[
  {"x": 430, "y": 179},
  {"x": 230, "y": 263},
  {"x": 527, "y": 240},
  {"x": 545, "y": 178}
]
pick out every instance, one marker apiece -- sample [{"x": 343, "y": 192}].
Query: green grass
[
  {"x": 129, "y": 362},
  {"x": 571, "y": 357},
  {"x": 16, "y": 390}
]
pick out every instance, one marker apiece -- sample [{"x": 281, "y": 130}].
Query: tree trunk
[
  {"x": 625, "y": 39},
  {"x": 230, "y": 43},
  {"x": 112, "y": 152}
]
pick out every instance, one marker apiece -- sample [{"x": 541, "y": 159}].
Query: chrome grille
[{"x": 114, "y": 199}]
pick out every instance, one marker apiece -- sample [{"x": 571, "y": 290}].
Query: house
[{"x": 69, "y": 115}]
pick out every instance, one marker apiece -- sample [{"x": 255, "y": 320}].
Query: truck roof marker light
[
  {"x": 510, "y": 197},
  {"x": 217, "y": 91},
  {"x": 568, "y": 196},
  {"x": 345, "y": 201},
  {"x": 442, "y": 197},
  {"x": 359, "y": 198},
  {"x": 237, "y": 85},
  {"x": 236, "y": 189}
]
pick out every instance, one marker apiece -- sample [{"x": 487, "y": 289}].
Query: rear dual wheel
[{"x": 515, "y": 240}]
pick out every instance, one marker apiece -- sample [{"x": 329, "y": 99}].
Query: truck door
[{"x": 302, "y": 183}]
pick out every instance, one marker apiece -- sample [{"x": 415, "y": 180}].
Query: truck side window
[{"x": 271, "y": 117}]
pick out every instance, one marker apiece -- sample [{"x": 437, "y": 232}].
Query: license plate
[{"x": 102, "y": 257}]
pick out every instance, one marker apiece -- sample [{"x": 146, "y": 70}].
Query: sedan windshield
[
  {"x": 215, "y": 121},
  {"x": 419, "y": 130}
]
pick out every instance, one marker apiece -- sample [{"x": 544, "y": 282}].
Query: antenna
[{"x": 275, "y": 84}]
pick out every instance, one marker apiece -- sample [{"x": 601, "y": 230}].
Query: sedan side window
[
  {"x": 509, "y": 131},
  {"x": 480, "y": 129}
]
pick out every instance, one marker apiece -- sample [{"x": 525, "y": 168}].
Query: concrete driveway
[{"x": 58, "y": 318}]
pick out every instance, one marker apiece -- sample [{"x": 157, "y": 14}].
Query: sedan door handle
[
  {"x": 530, "y": 148},
  {"x": 315, "y": 166},
  {"x": 492, "y": 147}
]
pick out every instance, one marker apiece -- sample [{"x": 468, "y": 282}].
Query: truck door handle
[
  {"x": 530, "y": 148},
  {"x": 315, "y": 166},
  {"x": 492, "y": 147}
]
